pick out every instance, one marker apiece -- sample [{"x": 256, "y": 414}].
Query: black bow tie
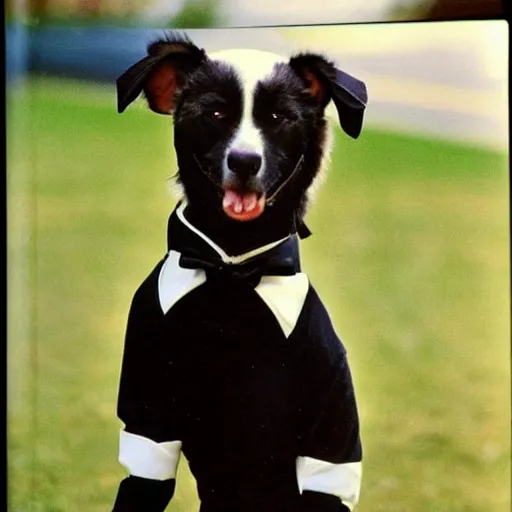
[{"x": 248, "y": 273}]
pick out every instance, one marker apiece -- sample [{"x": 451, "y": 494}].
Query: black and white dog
[{"x": 230, "y": 355}]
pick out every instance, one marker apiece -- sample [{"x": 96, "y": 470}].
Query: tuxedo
[{"x": 234, "y": 363}]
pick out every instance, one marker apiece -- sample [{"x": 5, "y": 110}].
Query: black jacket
[{"x": 244, "y": 374}]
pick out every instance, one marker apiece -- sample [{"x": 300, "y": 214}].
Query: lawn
[{"x": 410, "y": 252}]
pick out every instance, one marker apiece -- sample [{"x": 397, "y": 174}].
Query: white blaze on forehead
[{"x": 251, "y": 66}]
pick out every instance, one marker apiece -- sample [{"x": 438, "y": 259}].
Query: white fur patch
[
  {"x": 175, "y": 188},
  {"x": 325, "y": 163},
  {"x": 252, "y": 67}
]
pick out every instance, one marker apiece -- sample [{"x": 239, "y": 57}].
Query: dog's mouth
[{"x": 243, "y": 206}]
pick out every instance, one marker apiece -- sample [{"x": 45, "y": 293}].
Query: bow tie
[{"x": 248, "y": 273}]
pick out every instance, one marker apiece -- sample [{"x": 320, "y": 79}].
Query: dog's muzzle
[{"x": 242, "y": 197}]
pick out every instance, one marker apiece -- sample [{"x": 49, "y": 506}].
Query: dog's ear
[
  {"x": 160, "y": 74},
  {"x": 324, "y": 81}
]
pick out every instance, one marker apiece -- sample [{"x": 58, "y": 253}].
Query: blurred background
[{"x": 411, "y": 245}]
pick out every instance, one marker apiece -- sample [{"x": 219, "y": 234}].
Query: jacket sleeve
[
  {"x": 329, "y": 463},
  {"x": 149, "y": 445}
]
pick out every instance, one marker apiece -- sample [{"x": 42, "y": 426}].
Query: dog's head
[{"x": 249, "y": 126}]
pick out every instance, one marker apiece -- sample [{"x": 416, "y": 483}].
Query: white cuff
[
  {"x": 342, "y": 480},
  {"x": 145, "y": 458}
]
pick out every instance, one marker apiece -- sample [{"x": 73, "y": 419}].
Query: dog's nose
[{"x": 244, "y": 163}]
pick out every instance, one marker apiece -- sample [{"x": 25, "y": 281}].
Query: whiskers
[
  {"x": 271, "y": 199},
  {"x": 207, "y": 173}
]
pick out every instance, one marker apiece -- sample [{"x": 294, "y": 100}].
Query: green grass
[{"x": 410, "y": 253}]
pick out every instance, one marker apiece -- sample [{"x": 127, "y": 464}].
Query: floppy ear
[
  {"x": 160, "y": 74},
  {"x": 324, "y": 81}
]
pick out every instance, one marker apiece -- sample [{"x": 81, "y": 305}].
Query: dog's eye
[
  {"x": 278, "y": 117},
  {"x": 218, "y": 114}
]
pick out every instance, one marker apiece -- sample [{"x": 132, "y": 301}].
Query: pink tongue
[{"x": 242, "y": 206}]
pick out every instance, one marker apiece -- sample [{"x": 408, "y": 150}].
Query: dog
[{"x": 230, "y": 356}]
